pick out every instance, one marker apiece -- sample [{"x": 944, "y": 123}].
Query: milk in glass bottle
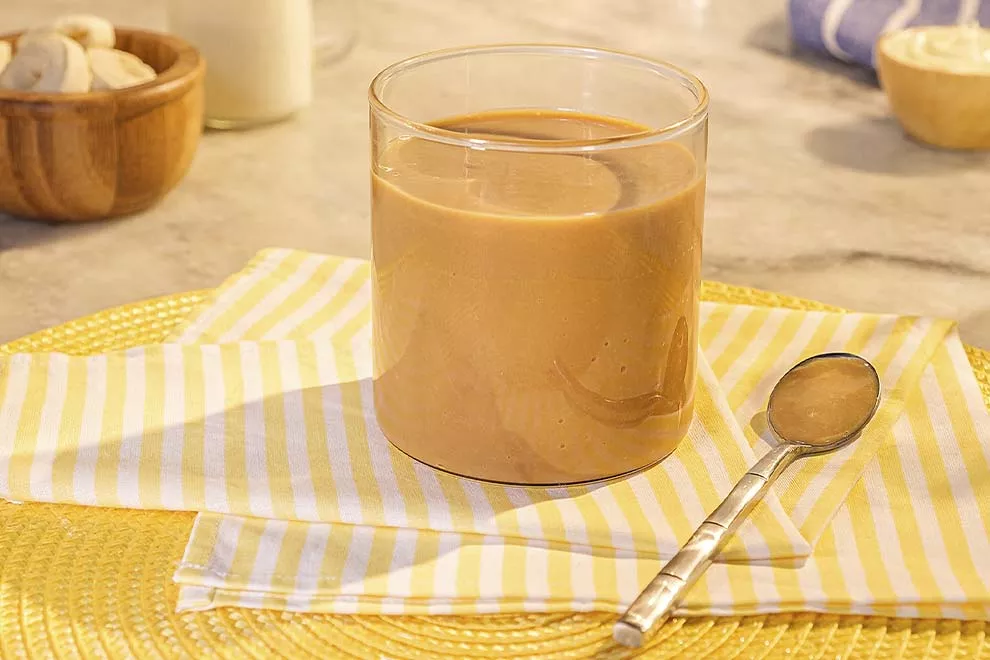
[{"x": 259, "y": 56}]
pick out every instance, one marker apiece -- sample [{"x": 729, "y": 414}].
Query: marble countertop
[{"x": 813, "y": 189}]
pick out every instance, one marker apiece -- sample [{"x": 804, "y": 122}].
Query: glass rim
[{"x": 691, "y": 120}]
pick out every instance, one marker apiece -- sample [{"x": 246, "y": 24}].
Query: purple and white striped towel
[{"x": 848, "y": 29}]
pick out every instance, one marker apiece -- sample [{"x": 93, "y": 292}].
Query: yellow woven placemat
[{"x": 85, "y": 582}]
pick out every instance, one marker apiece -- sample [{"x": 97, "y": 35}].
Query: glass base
[
  {"x": 220, "y": 124},
  {"x": 597, "y": 481}
]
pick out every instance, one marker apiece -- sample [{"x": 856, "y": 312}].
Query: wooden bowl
[
  {"x": 943, "y": 108},
  {"x": 76, "y": 157}
]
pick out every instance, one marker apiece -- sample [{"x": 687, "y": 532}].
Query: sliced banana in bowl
[
  {"x": 48, "y": 63},
  {"x": 90, "y": 156},
  {"x": 89, "y": 31},
  {"x": 115, "y": 69},
  {"x": 75, "y": 53}
]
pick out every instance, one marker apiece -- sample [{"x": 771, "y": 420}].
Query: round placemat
[{"x": 87, "y": 582}]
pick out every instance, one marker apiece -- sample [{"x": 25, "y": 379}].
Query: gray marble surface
[{"x": 813, "y": 189}]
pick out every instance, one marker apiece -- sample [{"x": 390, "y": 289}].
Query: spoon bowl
[{"x": 824, "y": 402}]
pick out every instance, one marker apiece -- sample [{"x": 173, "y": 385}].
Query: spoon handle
[{"x": 660, "y": 596}]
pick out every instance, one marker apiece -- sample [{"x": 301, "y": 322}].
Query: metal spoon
[{"x": 820, "y": 405}]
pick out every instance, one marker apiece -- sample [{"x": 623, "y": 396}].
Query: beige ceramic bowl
[
  {"x": 75, "y": 157},
  {"x": 943, "y": 108}
]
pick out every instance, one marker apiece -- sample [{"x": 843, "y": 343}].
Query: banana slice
[
  {"x": 90, "y": 31},
  {"x": 115, "y": 69},
  {"x": 48, "y": 63},
  {"x": 6, "y": 52},
  {"x": 33, "y": 35}
]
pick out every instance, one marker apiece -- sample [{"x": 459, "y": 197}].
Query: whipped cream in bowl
[
  {"x": 937, "y": 79},
  {"x": 961, "y": 49}
]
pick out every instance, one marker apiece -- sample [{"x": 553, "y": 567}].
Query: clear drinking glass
[{"x": 537, "y": 220}]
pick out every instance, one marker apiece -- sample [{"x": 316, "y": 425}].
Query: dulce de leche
[{"x": 535, "y": 311}]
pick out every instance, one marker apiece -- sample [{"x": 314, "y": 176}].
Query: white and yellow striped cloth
[{"x": 262, "y": 409}]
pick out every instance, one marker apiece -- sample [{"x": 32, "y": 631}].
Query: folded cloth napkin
[
  {"x": 883, "y": 553},
  {"x": 911, "y": 540},
  {"x": 849, "y": 29},
  {"x": 229, "y": 427}
]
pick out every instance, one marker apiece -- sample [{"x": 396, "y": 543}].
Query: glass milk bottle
[{"x": 259, "y": 56}]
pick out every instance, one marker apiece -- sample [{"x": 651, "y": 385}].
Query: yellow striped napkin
[
  {"x": 295, "y": 418},
  {"x": 910, "y": 540},
  {"x": 286, "y": 430},
  {"x": 325, "y": 567}
]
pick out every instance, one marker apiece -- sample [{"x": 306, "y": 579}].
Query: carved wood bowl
[{"x": 94, "y": 155}]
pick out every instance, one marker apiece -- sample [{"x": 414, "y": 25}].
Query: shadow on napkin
[{"x": 263, "y": 430}]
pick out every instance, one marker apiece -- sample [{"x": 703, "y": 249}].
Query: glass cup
[{"x": 537, "y": 220}]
